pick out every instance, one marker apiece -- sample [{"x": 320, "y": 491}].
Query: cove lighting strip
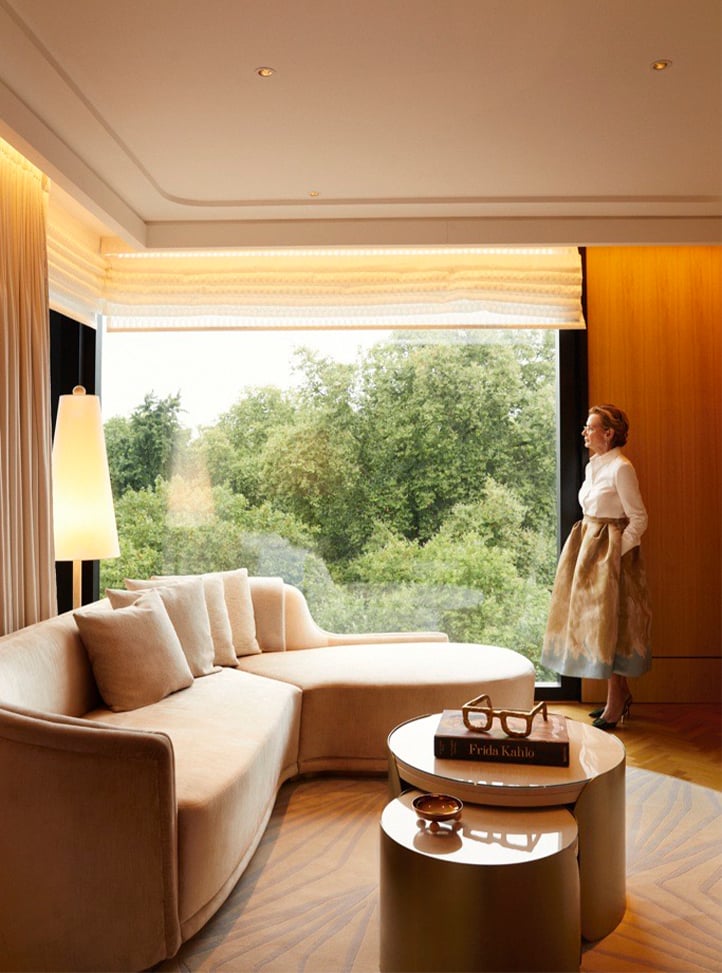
[{"x": 351, "y": 252}]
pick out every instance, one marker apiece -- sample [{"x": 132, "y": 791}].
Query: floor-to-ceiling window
[{"x": 403, "y": 480}]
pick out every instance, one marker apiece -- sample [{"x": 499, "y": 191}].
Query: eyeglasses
[
  {"x": 589, "y": 428},
  {"x": 484, "y": 714}
]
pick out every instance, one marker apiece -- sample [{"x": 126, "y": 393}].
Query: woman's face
[{"x": 597, "y": 439}]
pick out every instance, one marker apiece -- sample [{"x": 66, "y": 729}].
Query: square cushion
[
  {"x": 135, "y": 653},
  {"x": 239, "y": 605},
  {"x": 186, "y": 607},
  {"x": 224, "y": 653}
]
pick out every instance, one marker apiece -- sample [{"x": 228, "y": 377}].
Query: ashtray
[{"x": 437, "y": 808}]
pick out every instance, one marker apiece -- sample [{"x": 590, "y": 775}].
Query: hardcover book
[{"x": 547, "y": 744}]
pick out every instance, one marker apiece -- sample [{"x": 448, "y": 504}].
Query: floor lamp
[{"x": 83, "y": 514}]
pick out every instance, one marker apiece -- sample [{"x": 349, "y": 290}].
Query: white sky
[{"x": 210, "y": 369}]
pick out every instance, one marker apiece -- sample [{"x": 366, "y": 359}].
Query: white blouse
[{"x": 611, "y": 489}]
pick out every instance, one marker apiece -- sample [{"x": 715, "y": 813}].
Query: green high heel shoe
[{"x": 595, "y": 713}]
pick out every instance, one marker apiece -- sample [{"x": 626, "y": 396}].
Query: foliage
[
  {"x": 232, "y": 450},
  {"x": 180, "y": 527},
  {"x": 143, "y": 448},
  {"x": 412, "y": 489}
]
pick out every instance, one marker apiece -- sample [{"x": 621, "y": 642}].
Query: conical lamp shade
[{"x": 83, "y": 512}]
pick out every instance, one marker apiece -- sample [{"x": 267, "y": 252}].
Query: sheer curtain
[{"x": 27, "y": 569}]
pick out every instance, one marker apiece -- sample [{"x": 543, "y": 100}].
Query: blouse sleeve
[{"x": 628, "y": 489}]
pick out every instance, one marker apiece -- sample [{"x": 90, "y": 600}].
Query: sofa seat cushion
[
  {"x": 354, "y": 695},
  {"x": 235, "y": 739}
]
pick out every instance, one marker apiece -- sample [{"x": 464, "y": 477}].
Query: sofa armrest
[
  {"x": 88, "y": 845},
  {"x": 302, "y": 632}
]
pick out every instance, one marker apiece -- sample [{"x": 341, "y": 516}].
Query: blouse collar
[{"x": 601, "y": 459}]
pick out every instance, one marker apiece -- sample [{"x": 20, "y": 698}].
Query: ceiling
[{"x": 415, "y": 121}]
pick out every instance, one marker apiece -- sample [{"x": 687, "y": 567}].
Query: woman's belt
[{"x": 620, "y": 522}]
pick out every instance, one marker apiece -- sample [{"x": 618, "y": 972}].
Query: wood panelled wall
[{"x": 654, "y": 318}]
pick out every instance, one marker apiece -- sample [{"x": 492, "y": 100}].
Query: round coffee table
[{"x": 592, "y": 787}]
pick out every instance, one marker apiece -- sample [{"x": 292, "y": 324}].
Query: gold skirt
[{"x": 599, "y": 618}]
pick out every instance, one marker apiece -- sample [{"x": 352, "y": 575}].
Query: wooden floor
[
  {"x": 309, "y": 898},
  {"x": 678, "y": 739}
]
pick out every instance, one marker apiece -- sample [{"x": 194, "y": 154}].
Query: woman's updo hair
[{"x": 614, "y": 419}]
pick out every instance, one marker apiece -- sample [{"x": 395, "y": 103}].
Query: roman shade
[
  {"x": 289, "y": 289},
  {"x": 454, "y": 287}
]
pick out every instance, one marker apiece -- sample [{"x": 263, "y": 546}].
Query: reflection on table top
[
  {"x": 483, "y": 835},
  {"x": 592, "y": 753}
]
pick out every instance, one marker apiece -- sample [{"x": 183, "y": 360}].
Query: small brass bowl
[{"x": 438, "y": 807}]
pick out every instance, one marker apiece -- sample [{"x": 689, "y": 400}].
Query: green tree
[
  {"x": 232, "y": 450},
  {"x": 118, "y": 445},
  {"x": 437, "y": 419},
  {"x": 311, "y": 466},
  {"x": 186, "y": 527},
  {"x": 400, "y": 438},
  {"x": 481, "y": 578},
  {"x": 411, "y": 489},
  {"x": 140, "y": 518},
  {"x": 145, "y": 446}
]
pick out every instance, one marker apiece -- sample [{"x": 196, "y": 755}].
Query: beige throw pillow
[
  {"x": 237, "y": 591},
  {"x": 134, "y": 652},
  {"x": 239, "y": 605},
  {"x": 186, "y": 607},
  {"x": 223, "y": 651}
]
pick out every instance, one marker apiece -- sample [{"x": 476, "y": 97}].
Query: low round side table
[
  {"x": 592, "y": 787},
  {"x": 499, "y": 890}
]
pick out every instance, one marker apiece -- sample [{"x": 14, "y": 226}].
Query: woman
[{"x": 599, "y": 619}]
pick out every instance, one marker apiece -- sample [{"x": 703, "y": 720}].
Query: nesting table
[
  {"x": 590, "y": 789},
  {"x": 497, "y": 891}
]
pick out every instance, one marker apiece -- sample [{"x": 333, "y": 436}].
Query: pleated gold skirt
[{"x": 599, "y": 618}]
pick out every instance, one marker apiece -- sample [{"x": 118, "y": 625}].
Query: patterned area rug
[{"x": 309, "y": 900}]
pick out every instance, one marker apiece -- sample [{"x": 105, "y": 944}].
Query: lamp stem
[{"x": 77, "y": 584}]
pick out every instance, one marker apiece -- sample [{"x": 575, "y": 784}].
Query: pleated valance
[
  {"x": 76, "y": 268},
  {"x": 371, "y": 288},
  {"x": 392, "y": 287}
]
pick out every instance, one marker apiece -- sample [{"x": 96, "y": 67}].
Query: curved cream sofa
[{"x": 121, "y": 833}]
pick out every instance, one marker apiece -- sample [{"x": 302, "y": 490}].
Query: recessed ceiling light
[
  {"x": 265, "y": 72},
  {"x": 661, "y": 64},
  {"x": 314, "y": 193}
]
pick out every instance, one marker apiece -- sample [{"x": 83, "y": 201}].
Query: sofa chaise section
[
  {"x": 357, "y": 687},
  {"x": 355, "y": 694}
]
